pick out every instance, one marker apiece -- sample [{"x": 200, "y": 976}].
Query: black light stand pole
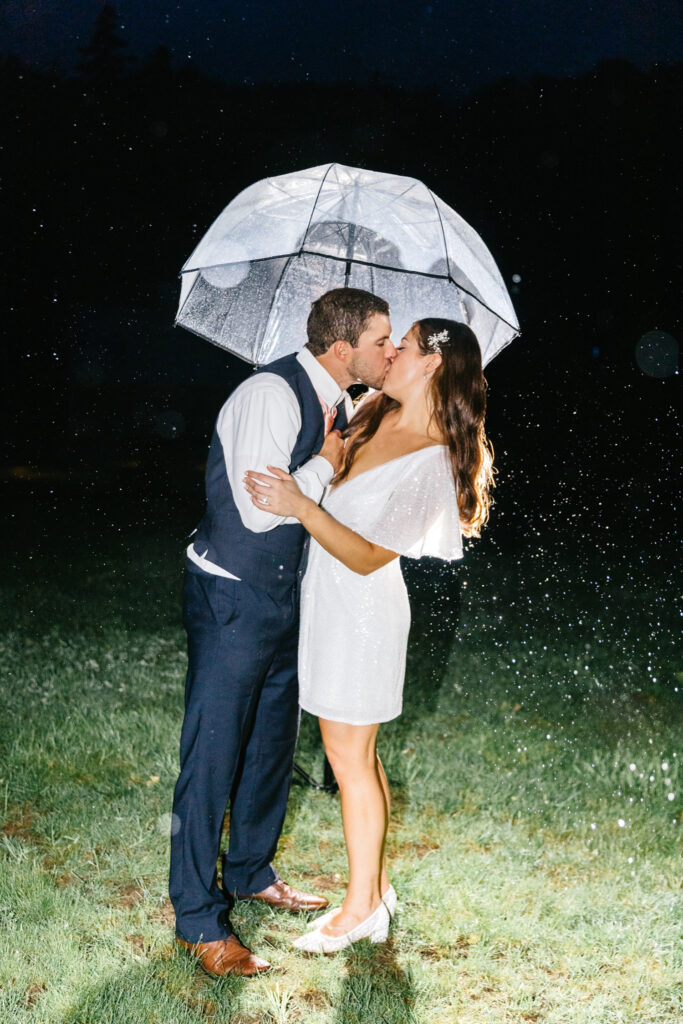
[{"x": 329, "y": 783}]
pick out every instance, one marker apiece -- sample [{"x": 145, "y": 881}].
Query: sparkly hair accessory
[{"x": 435, "y": 341}]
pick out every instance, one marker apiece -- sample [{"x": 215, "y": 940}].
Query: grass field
[{"x": 535, "y": 841}]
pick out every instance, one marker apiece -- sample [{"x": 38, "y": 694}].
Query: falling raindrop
[{"x": 169, "y": 424}]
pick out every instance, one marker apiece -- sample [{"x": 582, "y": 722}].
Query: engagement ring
[{"x": 264, "y": 501}]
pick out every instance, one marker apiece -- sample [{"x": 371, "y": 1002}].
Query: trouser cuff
[{"x": 251, "y": 883}]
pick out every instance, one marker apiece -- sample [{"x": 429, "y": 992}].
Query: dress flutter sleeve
[{"x": 420, "y": 516}]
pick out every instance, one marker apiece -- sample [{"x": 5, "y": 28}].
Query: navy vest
[{"x": 267, "y": 560}]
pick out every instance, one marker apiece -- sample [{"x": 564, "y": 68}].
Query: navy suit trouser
[{"x": 237, "y": 745}]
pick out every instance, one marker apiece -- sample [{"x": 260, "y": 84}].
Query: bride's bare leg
[
  {"x": 384, "y": 880},
  {"x": 351, "y": 751}
]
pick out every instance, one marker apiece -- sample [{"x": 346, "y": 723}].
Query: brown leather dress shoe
[
  {"x": 226, "y": 956},
  {"x": 281, "y": 895}
]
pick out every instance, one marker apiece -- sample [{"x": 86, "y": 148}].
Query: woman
[{"x": 417, "y": 472}]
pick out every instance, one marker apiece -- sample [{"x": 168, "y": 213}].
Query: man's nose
[{"x": 390, "y": 352}]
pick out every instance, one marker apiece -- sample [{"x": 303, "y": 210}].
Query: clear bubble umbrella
[{"x": 281, "y": 243}]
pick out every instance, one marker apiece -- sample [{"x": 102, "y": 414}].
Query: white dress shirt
[{"x": 257, "y": 427}]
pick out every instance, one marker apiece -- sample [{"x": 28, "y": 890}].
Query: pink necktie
[{"x": 329, "y": 415}]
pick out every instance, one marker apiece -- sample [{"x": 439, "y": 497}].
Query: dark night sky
[
  {"x": 455, "y": 47},
  {"x": 133, "y": 168}
]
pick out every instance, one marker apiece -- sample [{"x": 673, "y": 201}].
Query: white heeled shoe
[
  {"x": 375, "y": 928},
  {"x": 389, "y": 899}
]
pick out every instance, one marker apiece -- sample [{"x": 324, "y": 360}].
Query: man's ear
[{"x": 342, "y": 351}]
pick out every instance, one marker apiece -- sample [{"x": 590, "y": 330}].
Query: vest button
[{"x": 280, "y": 566}]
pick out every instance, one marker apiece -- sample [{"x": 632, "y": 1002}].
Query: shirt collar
[{"x": 325, "y": 385}]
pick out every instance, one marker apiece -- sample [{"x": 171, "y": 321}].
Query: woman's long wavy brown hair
[{"x": 458, "y": 394}]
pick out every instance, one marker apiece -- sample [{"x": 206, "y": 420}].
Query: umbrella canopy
[{"x": 284, "y": 241}]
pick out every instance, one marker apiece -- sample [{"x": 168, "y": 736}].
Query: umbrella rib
[
  {"x": 274, "y": 184},
  {"x": 194, "y": 285},
  {"x": 315, "y": 203},
  {"x": 389, "y": 201},
  {"x": 323, "y": 256},
  {"x": 450, "y": 276},
  {"x": 368, "y": 263},
  {"x": 395, "y": 199},
  {"x": 443, "y": 234},
  {"x": 416, "y": 273},
  {"x": 231, "y": 263},
  {"x": 482, "y": 303},
  {"x": 361, "y": 263}
]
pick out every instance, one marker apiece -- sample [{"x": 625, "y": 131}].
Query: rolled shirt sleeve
[{"x": 257, "y": 427}]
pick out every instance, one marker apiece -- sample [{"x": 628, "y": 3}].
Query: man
[{"x": 240, "y": 610}]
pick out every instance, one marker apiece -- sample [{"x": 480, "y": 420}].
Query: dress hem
[{"x": 345, "y": 721}]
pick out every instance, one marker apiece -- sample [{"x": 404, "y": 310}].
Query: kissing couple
[{"x": 407, "y": 474}]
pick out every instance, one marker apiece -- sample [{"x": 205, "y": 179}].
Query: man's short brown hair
[{"x": 341, "y": 315}]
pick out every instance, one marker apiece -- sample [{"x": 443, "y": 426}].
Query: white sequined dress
[{"x": 354, "y": 629}]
